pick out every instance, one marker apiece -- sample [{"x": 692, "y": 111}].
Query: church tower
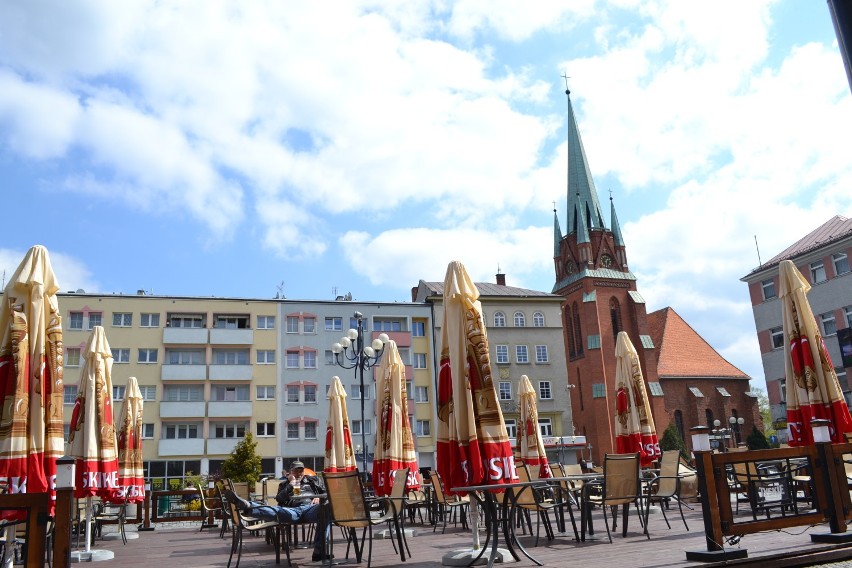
[{"x": 600, "y": 299}]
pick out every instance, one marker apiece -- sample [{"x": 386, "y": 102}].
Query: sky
[{"x": 242, "y": 149}]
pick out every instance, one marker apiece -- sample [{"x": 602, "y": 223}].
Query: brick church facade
[{"x": 687, "y": 381}]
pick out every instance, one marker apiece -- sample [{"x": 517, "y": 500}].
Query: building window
[
  {"x": 423, "y": 428},
  {"x": 181, "y": 431},
  {"x": 841, "y": 263},
  {"x": 265, "y": 322},
  {"x": 329, "y": 357},
  {"x": 418, "y": 329},
  {"x": 310, "y": 358},
  {"x": 122, "y": 319},
  {"x": 419, "y": 361},
  {"x": 183, "y": 393},
  {"x": 69, "y": 394},
  {"x": 511, "y": 428},
  {"x": 421, "y": 394},
  {"x": 148, "y": 392},
  {"x": 309, "y": 325},
  {"x": 148, "y": 431},
  {"x": 521, "y": 354},
  {"x": 292, "y": 359},
  {"x": 768, "y": 287},
  {"x": 545, "y": 426},
  {"x": 292, "y": 394},
  {"x": 75, "y": 320},
  {"x": 230, "y": 356},
  {"x": 333, "y": 324},
  {"x": 121, "y": 355},
  {"x": 147, "y": 356},
  {"x": 520, "y": 320},
  {"x": 847, "y": 311},
  {"x": 265, "y": 429},
  {"x": 310, "y": 430},
  {"x": 72, "y": 356},
  {"x": 231, "y": 322},
  {"x": 776, "y": 335},
  {"x": 504, "y": 390},
  {"x": 117, "y": 393},
  {"x": 149, "y": 320},
  {"x": 229, "y": 393},
  {"x": 502, "y": 354},
  {"x": 265, "y": 356},
  {"x": 615, "y": 317},
  {"x": 578, "y": 333},
  {"x": 229, "y": 430},
  {"x": 570, "y": 333},
  {"x": 292, "y": 430},
  {"x": 544, "y": 392},
  {"x": 541, "y": 354},
  {"x": 310, "y": 393},
  {"x": 356, "y": 427},
  {"x": 95, "y": 319},
  {"x": 829, "y": 326},
  {"x": 387, "y": 325},
  {"x": 499, "y": 319},
  {"x": 265, "y": 392},
  {"x": 185, "y": 356},
  {"x": 538, "y": 319},
  {"x": 817, "y": 272},
  {"x": 655, "y": 388},
  {"x": 782, "y": 385},
  {"x": 355, "y": 391},
  {"x": 598, "y": 390},
  {"x": 292, "y": 324},
  {"x": 190, "y": 321}
]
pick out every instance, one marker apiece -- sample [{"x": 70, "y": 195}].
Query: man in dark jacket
[{"x": 297, "y": 487}]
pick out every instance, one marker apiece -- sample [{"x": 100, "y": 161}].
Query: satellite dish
[{"x": 80, "y": 291}]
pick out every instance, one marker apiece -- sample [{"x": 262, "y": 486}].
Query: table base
[{"x": 466, "y": 556}]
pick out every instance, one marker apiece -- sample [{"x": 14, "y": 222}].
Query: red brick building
[{"x": 600, "y": 299}]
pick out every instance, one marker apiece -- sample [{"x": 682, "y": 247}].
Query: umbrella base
[
  {"x": 716, "y": 555},
  {"x": 93, "y": 555},
  {"x": 117, "y": 536},
  {"x": 464, "y": 557},
  {"x": 836, "y": 538},
  {"x": 388, "y": 533}
]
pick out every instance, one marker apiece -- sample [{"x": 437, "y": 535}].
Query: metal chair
[
  {"x": 209, "y": 506},
  {"x": 540, "y": 499},
  {"x": 241, "y": 523},
  {"x": 665, "y": 486},
  {"x": 620, "y": 486},
  {"x": 446, "y": 504},
  {"x": 111, "y": 513}
]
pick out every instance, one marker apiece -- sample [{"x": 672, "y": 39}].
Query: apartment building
[
  {"x": 822, "y": 256},
  {"x": 212, "y": 369}
]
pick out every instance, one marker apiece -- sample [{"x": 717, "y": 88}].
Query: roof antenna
[{"x": 759, "y": 263}]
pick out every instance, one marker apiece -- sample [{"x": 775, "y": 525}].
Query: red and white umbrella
[
  {"x": 31, "y": 354},
  {"x": 813, "y": 390},
  {"x": 394, "y": 441},
  {"x": 473, "y": 447},
  {"x": 131, "y": 473},
  {"x": 634, "y": 423},
  {"x": 530, "y": 446},
  {"x": 339, "y": 455}
]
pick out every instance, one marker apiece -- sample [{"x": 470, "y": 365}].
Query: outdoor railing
[{"x": 784, "y": 488}]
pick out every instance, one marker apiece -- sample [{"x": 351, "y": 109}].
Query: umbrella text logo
[{"x": 101, "y": 479}]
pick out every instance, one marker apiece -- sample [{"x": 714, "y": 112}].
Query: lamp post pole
[{"x": 351, "y": 353}]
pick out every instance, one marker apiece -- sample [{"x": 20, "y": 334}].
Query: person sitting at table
[{"x": 293, "y": 509}]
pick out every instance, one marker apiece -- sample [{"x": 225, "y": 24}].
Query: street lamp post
[
  {"x": 351, "y": 353},
  {"x": 732, "y": 431}
]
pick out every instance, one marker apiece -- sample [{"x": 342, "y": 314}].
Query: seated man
[{"x": 292, "y": 508}]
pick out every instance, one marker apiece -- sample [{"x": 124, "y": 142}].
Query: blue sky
[{"x": 229, "y": 148}]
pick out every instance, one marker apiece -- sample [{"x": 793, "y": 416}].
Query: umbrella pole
[
  {"x": 89, "y": 515},
  {"x": 474, "y": 523},
  {"x": 8, "y": 554}
]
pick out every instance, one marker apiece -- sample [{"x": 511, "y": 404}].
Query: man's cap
[{"x": 296, "y": 465}]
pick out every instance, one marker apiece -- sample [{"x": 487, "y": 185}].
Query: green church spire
[
  {"x": 616, "y": 228},
  {"x": 557, "y": 232},
  {"x": 582, "y": 196}
]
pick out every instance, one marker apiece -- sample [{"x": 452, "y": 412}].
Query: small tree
[
  {"x": 671, "y": 440},
  {"x": 756, "y": 440},
  {"x": 243, "y": 464}
]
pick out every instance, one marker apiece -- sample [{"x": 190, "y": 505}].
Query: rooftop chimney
[{"x": 501, "y": 279}]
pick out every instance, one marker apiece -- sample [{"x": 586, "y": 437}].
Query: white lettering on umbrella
[
  {"x": 100, "y": 479},
  {"x": 16, "y": 484},
  {"x": 502, "y": 468}
]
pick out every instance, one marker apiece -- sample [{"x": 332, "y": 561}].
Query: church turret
[
  {"x": 617, "y": 239},
  {"x": 582, "y": 196},
  {"x": 557, "y": 233}
]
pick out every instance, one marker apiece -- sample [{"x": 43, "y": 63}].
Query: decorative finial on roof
[{"x": 567, "y": 90}]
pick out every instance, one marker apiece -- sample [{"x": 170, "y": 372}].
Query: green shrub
[
  {"x": 671, "y": 440},
  {"x": 756, "y": 440},
  {"x": 243, "y": 464}
]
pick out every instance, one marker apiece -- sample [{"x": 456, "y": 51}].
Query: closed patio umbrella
[
  {"x": 813, "y": 390},
  {"x": 394, "y": 441},
  {"x": 529, "y": 445},
  {"x": 339, "y": 455},
  {"x": 634, "y": 423},
  {"x": 131, "y": 474},
  {"x": 473, "y": 447},
  {"x": 31, "y": 362}
]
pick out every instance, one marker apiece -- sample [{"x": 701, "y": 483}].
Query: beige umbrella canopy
[
  {"x": 394, "y": 441},
  {"x": 634, "y": 423},
  {"x": 530, "y": 446},
  {"x": 813, "y": 390},
  {"x": 131, "y": 473},
  {"x": 339, "y": 455},
  {"x": 31, "y": 416}
]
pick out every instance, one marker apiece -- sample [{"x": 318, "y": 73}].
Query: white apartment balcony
[
  {"x": 183, "y": 372},
  {"x": 230, "y": 372},
  {"x": 221, "y": 446},
  {"x": 229, "y": 409},
  {"x": 231, "y": 336},
  {"x": 185, "y": 335},
  {"x": 183, "y": 409},
  {"x": 183, "y": 447}
]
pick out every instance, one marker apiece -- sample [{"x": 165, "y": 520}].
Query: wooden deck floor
[{"x": 186, "y": 547}]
